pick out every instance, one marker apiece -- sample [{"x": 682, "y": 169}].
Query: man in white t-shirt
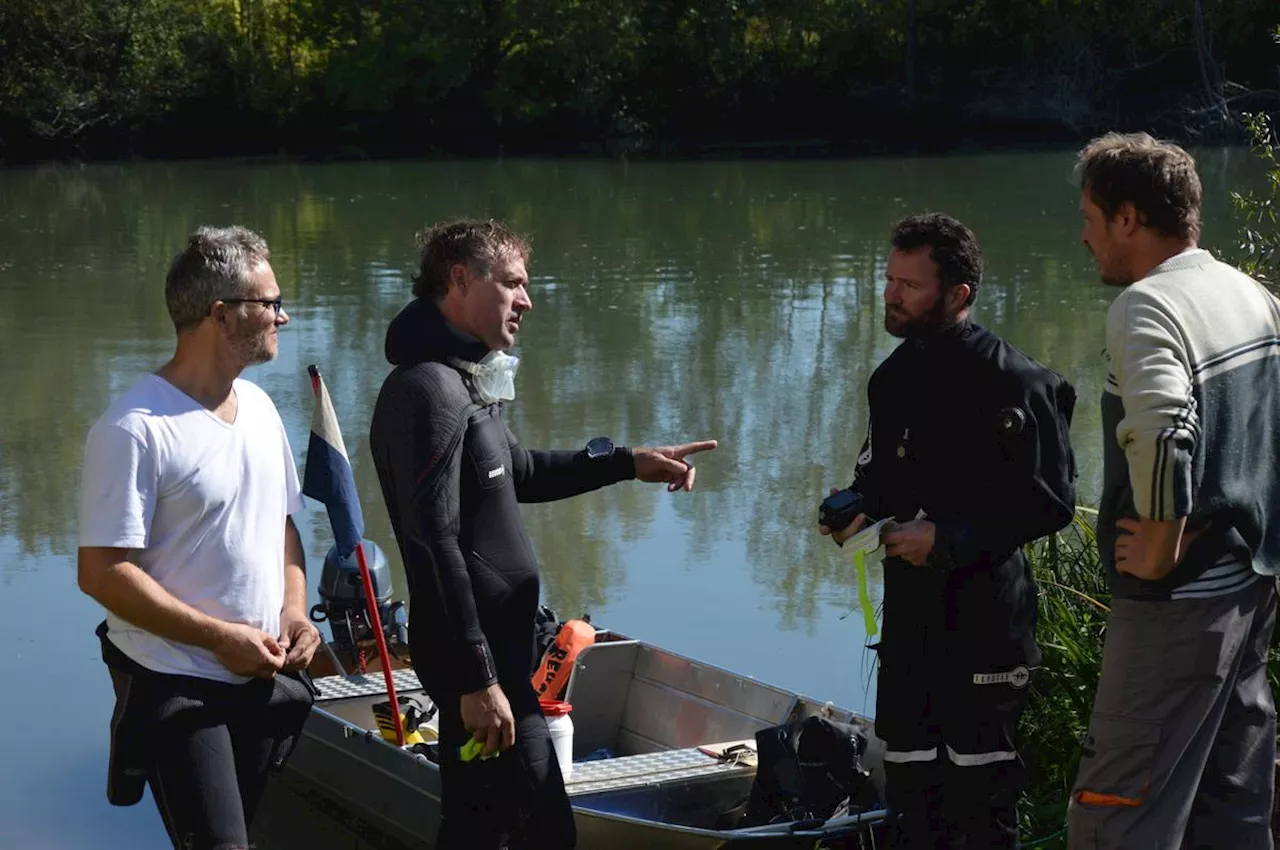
[{"x": 186, "y": 540}]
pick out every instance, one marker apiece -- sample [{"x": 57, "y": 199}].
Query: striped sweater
[{"x": 1191, "y": 423}]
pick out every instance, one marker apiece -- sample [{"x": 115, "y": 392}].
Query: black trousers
[
  {"x": 516, "y": 800},
  {"x": 941, "y": 806},
  {"x": 958, "y": 774},
  {"x": 206, "y": 748}
]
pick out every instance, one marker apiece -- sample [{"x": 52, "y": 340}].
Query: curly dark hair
[
  {"x": 476, "y": 243},
  {"x": 953, "y": 248},
  {"x": 1159, "y": 178}
]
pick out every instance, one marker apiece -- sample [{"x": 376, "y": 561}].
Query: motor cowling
[{"x": 343, "y": 603}]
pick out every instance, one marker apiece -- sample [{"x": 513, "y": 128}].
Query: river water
[{"x": 733, "y": 300}]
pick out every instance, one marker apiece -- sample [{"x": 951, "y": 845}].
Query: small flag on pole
[{"x": 328, "y": 477}]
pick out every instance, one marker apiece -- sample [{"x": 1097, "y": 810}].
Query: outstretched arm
[{"x": 544, "y": 476}]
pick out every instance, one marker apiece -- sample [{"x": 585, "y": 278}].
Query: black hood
[{"x": 419, "y": 333}]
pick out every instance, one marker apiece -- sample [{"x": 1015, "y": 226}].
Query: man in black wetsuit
[
  {"x": 969, "y": 452},
  {"x": 452, "y": 474}
]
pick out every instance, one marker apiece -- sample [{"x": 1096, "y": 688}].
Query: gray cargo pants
[{"x": 1181, "y": 748}]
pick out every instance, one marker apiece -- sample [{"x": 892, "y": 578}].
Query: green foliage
[
  {"x": 72, "y": 65},
  {"x": 1074, "y": 602},
  {"x": 1260, "y": 234},
  {"x": 170, "y": 76}
]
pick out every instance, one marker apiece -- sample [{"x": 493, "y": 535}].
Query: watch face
[{"x": 600, "y": 447}]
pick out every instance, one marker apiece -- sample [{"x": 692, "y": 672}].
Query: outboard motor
[{"x": 343, "y": 603}]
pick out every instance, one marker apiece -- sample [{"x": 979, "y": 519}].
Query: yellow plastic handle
[{"x": 473, "y": 748}]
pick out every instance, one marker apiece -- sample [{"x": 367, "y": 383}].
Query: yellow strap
[{"x": 864, "y": 598}]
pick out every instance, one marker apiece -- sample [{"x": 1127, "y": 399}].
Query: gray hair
[{"x": 215, "y": 265}]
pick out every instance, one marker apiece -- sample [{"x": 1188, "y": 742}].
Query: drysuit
[{"x": 973, "y": 434}]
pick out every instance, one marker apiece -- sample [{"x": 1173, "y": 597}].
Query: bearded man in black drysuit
[{"x": 969, "y": 455}]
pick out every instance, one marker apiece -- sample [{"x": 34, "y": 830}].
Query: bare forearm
[
  {"x": 295, "y": 570},
  {"x": 1165, "y": 544},
  {"x": 129, "y": 593},
  {"x": 1150, "y": 549}
]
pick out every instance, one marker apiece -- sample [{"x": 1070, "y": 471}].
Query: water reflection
[
  {"x": 672, "y": 301},
  {"x": 735, "y": 300}
]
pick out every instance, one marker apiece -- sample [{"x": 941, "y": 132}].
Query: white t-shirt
[{"x": 202, "y": 503}]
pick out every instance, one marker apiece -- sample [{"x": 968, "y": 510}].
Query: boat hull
[{"x": 665, "y": 800}]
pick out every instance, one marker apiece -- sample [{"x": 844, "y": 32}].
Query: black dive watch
[{"x": 599, "y": 448}]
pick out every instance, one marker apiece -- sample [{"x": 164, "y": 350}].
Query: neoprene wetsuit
[{"x": 452, "y": 475}]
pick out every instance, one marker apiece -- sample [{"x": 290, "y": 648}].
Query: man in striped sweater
[{"x": 1181, "y": 746}]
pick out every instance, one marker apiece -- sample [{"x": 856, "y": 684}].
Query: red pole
[{"x": 371, "y": 605}]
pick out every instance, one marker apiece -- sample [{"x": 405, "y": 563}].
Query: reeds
[{"x": 1074, "y": 602}]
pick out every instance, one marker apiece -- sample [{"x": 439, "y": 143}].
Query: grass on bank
[{"x": 1074, "y": 601}]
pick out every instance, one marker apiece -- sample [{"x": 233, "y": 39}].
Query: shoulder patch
[{"x": 865, "y": 457}]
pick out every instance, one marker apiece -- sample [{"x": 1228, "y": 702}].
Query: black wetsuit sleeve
[
  {"x": 437, "y": 457},
  {"x": 868, "y": 476},
  {"x": 545, "y": 476},
  {"x": 1032, "y": 496},
  {"x": 866, "y": 481}
]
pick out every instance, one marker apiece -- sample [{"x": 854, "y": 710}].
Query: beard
[
  {"x": 905, "y": 326},
  {"x": 255, "y": 348}
]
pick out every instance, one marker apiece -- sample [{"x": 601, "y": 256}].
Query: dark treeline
[{"x": 151, "y": 78}]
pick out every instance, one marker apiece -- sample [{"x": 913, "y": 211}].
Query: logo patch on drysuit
[
  {"x": 865, "y": 457},
  {"x": 495, "y": 473},
  {"x": 1019, "y": 677}
]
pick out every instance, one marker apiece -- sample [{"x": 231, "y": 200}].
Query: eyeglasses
[{"x": 274, "y": 303}]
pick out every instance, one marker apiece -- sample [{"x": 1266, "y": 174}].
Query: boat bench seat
[{"x": 612, "y": 774}]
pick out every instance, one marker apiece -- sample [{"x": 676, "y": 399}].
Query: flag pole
[{"x": 371, "y": 607}]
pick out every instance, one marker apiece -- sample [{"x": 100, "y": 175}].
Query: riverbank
[{"x": 880, "y": 131}]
